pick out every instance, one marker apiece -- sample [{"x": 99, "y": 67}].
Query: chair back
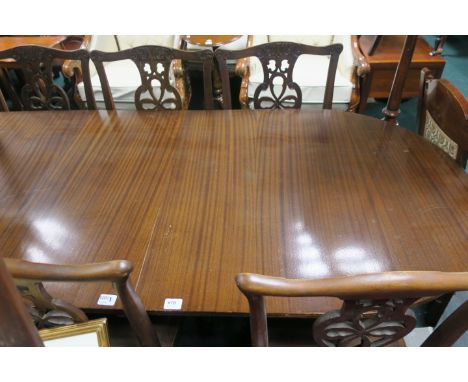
[
  {"x": 164, "y": 83},
  {"x": 48, "y": 311},
  {"x": 375, "y": 311},
  {"x": 277, "y": 60},
  {"x": 443, "y": 116},
  {"x": 41, "y": 89}
]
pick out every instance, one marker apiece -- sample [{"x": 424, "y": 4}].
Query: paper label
[
  {"x": 107, "y": 299},
  {"x": 173, "y": 303}
]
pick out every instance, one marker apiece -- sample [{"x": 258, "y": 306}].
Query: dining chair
[
  {"x": 163, "y": 82},
  {"x": 442, "y": 116},
  {"x": 376, "y": 309},
  {"x": 47, "y": 311},
  {"x": 40, "y": 87},
  {"x": 274, "y": 86}
]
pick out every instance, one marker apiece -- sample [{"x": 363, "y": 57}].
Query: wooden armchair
[
  {"x": 160, "y": 86},
  {"x": 40, "y": 91},
  {"x": 443, "y": 116},
  {"x": 275, "y": 87},
  {"x": 48, "y": 311},
  {"x": 375, "y": 311}
]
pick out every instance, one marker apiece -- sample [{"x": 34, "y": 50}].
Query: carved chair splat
[
  {"x": 278, "y": 60},
  {"x": 375, "y": 311},
  {"x": 156, "y": 65},
  {"x": 40, "y": 91}
]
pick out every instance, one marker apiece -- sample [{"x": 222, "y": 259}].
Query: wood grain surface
[{"x": 195, "y": 197}]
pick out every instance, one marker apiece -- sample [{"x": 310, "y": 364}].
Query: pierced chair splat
[
  {"x": 40, "y": 90},
  {"x": 277, "y": 89}
]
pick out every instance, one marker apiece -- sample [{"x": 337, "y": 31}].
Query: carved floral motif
[
  {"x": 40, "y": 91},
  {"x": 278, "y": 71},
  {"x": 155, "y": 82},
  {"x": 436, "y": 135}
]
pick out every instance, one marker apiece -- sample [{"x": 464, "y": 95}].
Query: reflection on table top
[{"x": 194, "y": 197}]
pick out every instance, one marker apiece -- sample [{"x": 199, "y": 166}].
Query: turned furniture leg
[
  {"x": 365, "y": 90},
  {"x": 392, "y": 110},
  {"x": 439, "y": 45}
]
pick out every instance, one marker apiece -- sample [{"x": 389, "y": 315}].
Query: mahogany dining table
[{"x": 195, "y": 197}]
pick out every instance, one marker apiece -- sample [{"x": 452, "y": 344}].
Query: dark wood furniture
[
  {"x": 16, "y": 326},
  {"x": 439, "y": 45},
  {"x": 278, "y": 60},
  {"x": 375, "y": 311},
  {"x": 205, "y": 41},
  {"x": 209, "y": 42},
  {"x": 154, "y": 65},
  {"x": 443, "y": 116},
  {"x": 377, "y": 68},
  {"x": 194, "y": 197},
  {"x": 39, "y": 91},
  {"x": 48, "y": 311},
  {"x": 392, "y": 110}
]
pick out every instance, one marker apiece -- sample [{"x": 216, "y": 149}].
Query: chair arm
[
  {"x": 360, "y": 61},
  {"x": 242, "y": 70},
  {"x": 372, "y": 285},
  {"x": 113, "y": 271},
  {"x": 242, "y": 65}
]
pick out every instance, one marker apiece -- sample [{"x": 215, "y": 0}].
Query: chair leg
[{"x": 365, "y": 90}]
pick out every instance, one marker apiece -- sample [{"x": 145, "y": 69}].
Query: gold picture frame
[{"x": 91, "y": 333}]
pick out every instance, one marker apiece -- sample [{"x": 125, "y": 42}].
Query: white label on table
[
  {"x": 173, "y": 303},
  {"x": 107, "y": 299}
]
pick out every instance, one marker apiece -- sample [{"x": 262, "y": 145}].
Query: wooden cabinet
[{"x": 383, "y": 62}]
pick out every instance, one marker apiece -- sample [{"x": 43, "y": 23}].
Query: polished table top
[{"x": 194, "y": 197}]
